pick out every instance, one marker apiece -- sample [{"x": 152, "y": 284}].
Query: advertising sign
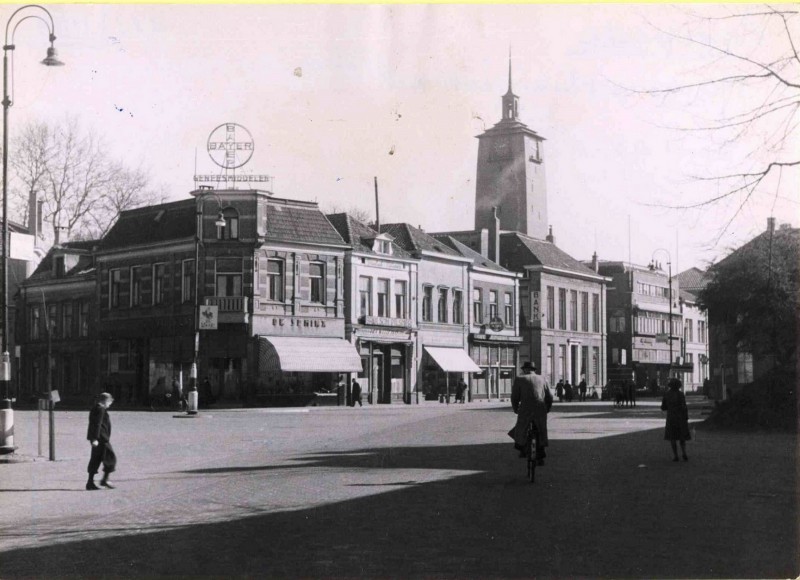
[
  {"x": 536, "y": 315},
  {"x": 209, "y": 314}
]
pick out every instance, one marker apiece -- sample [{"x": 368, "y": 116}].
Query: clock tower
[{"x": 511, "y": 174}]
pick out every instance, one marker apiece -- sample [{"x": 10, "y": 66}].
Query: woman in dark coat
[{"x": 677, "y": 428}]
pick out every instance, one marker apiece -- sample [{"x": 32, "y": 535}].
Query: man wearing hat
[{"x": 531, "y": 400}]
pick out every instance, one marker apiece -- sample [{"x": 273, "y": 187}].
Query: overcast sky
[{"x": 334, "y": 95}]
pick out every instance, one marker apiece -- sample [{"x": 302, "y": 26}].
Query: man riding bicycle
[{"x": 531, "y": 400}]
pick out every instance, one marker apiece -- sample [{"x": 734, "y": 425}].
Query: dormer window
[
  {"x": 59, "y": 268},
  {"x": 382, "y": 244}
]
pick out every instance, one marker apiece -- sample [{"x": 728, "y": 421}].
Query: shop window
[
  {"x": 114, "y": 288},
  {"x": 427, "y": 303},
  {"x": 66, "y": 319},
  {"x": 550, "y": 367},
  {"x": 159, "y": 283},
  {"x": 187, "y": 281},
  {"x": 275, "y": 280},
  {"x": 508, "y": 310},
  {"x": 229, "y": 277},
  {"x": 365, "y": 296},
  {"x": 458, "y": 307},
  {"x": 477, "y": 306},
  {"x": 400, "y": 298},
  {"x": 442, "y": 305},
  {"x": 230, "y": 231},
  {"x": 383, "y": 297},
  {"x": 137, "y": 285}
]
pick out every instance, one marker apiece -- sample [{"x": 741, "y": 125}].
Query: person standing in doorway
[
  {"x": 677, "y": 427},
  {"x": 355, "y": 394},
  {"x": 99, "y": 435}
]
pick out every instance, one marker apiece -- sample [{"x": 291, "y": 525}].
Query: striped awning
[
  {"x": 452, "y": 360},
  {"x": 305, "y": 354}
]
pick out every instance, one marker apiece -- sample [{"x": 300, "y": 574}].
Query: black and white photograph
[{"x": 465, "y": 291}]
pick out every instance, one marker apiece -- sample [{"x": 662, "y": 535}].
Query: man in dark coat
[
  {"x": 531, "y": 400},
  {"x": 582, "y": 389},
  {"x": 355, "y": 394},
  {"x": 99, "y": 435}
]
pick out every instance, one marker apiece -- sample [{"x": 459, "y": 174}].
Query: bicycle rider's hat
[{"x": 528, "y": 365}]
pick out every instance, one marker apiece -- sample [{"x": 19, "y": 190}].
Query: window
[
  {"x": 562, "y": 308},
  {"x": 159, "y": 283},
  {"x": 595, "y": 313},
  {"x": 442, "y": 305},
  {"x": 688, "y": 331},
  {"x": 383, "y": 297},
  {"x": 316, "y": 278},
  {"x": 616, "y": 324},
  {"x": 585, "y": 311},
  {"x": 275, "y": 283},
  {"x": 229, "y": 277},
  {"x": 551, "y": 307},
  {"x": 137, "y": 285},
  {"x": 744, "y": 367},
  {"x": 477, "y": 306},
  {"x": 400, "y": 299},
  {"x": 66, "y": 319},
  {"x": 427, "y": 303},
  {"x": 550, "y": 369},
  {"x": 231, "y": 229},
  {"x": 595, "y": 365},
  {"x": 35, "y": 322},
  {"x": 573, "y": 310},
  {"x": 115, "y": 288},
  {"x": 83, "y": 319},
  {"x": 52, "y": 320},
  {"x": 701, "y": 331},
  {"x": 364, "y": 296},
  {"x": 492, "y": 305},
  {"x": 562, "y": 361},
  {"x": 458, "y": 315},
  {"x": 508, "y": 310},
  {"x": 187, "y": 281}
]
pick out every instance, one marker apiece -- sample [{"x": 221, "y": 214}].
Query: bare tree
[
  {"x": 359, "y": 214},
  {"x": 762, "y": 121},
  {"x": 82, "y": 188}
]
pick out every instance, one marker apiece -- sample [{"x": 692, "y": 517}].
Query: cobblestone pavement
[{"x": 433, "y": 491}]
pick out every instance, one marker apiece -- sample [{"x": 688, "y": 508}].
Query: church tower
[{"x": 511, "y": 173}]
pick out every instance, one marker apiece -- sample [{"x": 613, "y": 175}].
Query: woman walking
[{"x": 677, "y": 428}]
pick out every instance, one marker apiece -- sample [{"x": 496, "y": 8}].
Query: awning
[
  {"x": 311, "y": 355},
  {"x": 452, "y": 360}
]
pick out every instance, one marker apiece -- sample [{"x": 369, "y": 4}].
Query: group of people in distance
[
  {"x": 566, "y": 392},
  {"x": 625, "y": 394}
]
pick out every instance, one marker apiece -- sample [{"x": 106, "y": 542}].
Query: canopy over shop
[
  {"x": 451, "y": 360},
  {"x": 302, "y": 364}
]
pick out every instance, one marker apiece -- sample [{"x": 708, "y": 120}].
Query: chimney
[
  {"x": 550, "y": 237},
  {"x": 494, "y": 237},
  {"x": 483, "y": 242},
  {"x": 785, "y": 226},
  {"x": 770, "y": 224},
  {"x": 595, "y": 265}
]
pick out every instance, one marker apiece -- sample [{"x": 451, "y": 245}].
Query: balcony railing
[{"x": 232, "y": 309}]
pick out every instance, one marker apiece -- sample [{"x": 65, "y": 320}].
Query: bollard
[
  {"x": 191, "y": 404},
  {"x": 6, "y": 427}
]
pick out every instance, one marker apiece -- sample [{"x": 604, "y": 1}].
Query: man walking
[
  {"x": 531, "y": 400},
  {"x": 99, "y": 434},
  {"x": 355, "y": 394}
]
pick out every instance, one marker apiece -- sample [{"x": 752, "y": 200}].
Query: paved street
[{"x": 429, "y": 491}]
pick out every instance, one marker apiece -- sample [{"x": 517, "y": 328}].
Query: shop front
[
  {"x": 300, "y": 371},
  {"x": 442, "y": 367},
  {"x": 386, "y": 356},
  {"x": 497, "y": 357}
]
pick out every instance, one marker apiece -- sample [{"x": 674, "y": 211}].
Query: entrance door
[
  {"x": 575, "y": 363},
  {"x": 378, "y": 382}
]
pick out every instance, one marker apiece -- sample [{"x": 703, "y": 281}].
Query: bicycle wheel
[{"x": 530, "y": 450}]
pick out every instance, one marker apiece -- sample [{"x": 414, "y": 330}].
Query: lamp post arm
[{"x": 51, "y": 27}]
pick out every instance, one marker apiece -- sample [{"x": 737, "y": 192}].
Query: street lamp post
[
  {"x": 6, "y": 414},
  {"x": 669, "y": 274}
]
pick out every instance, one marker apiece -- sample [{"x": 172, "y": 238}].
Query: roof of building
[
  {"x": 415, "y": 241},
  {"x": 360, "y": 235},
  {"x": 44, "y": 271},
  {"x": 762, "y": 240},
  {"x": 687, "y": 296},
  {"x": 300, "y": 223},
  {"x": 692, "y": 279},
  {"x": 152, "y": 224},
  {"x": 477, "y": 258},
  {"x": 544, "y": 253}
]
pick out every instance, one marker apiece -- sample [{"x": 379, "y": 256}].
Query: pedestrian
[
  {"x": 99, "y": 435},
  {"x": 206, "y": 394},
  {"x": 568, "y": 394},
  {"x": 677, "y": 427},
  {"x": 582, "y": 389},
  {"x": 560, "y": 390},
  {"x": 631, "y": 393},
  {"x": 355, "y": 394},
  {"x": 177, "y": 393},
  {"x": 460, "y": 388}
]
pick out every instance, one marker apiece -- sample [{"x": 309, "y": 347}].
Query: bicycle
[{"x": 531, "y": 447}]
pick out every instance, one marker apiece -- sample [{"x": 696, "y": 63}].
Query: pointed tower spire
[{"x": 510, "y": 100}]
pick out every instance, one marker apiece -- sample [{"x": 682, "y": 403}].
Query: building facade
[
  {"x": 695, "y": 342},
  {"x": 380, "y": 285},
  {"x": 645, "y": 326}
]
